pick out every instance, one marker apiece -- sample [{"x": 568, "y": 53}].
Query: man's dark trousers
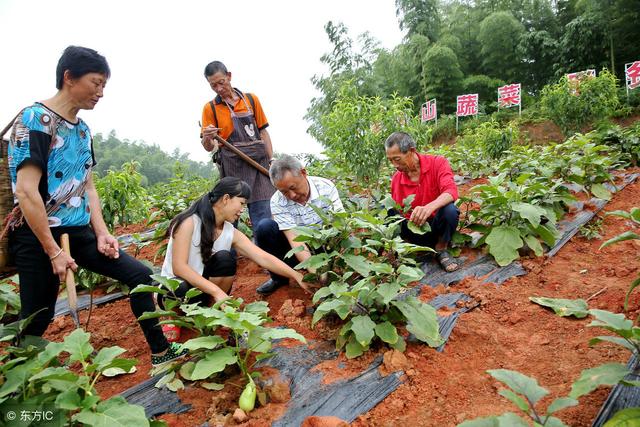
[
  {"x": 270, "y": 239},
  {"x": 443, "y": 225}
]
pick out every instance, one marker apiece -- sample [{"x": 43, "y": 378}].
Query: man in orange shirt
[{"x": 239, "y": 119}]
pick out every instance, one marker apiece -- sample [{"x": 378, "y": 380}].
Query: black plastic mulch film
[
  {"x": 348, "y": 399},
  {"x": 155, "y": 401},
  {"x": 621, "y": 397},
  {"x": 345, "y": 399}
]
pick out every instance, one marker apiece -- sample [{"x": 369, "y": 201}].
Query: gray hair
[
  {"x": 215, "y": 67},
  {"x": 402, "y": 139},
  {"x": 283, "y": 164}
]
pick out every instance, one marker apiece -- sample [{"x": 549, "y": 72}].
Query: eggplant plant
[
  {"x": 525, "y": 393},
  {"x": 514, "y": 213},
  {"x": 227, "y": 334},
  {"x": 586, "y": 162},
  {"x": 9, "y": 299},
  {"x": 368, "y": 266},
  {"x": 37, "y": 375}
]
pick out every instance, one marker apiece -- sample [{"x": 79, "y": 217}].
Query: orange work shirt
[{"x": 224, "y": 115}]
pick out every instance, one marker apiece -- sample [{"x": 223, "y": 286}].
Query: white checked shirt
[{"x": 289, "y": 214}]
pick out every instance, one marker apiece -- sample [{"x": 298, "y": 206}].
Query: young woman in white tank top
[{"x": 201, "y": 239}]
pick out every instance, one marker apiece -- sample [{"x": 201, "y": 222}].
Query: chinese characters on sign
[
  {"x": 467, "y": 105},
  {"x": 429, "y": 111},
  {"x": 509, "y": 95},
  {"x": 632, "y": 74}
]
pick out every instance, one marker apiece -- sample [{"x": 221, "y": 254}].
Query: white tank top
[{"x": 222, "y": 243}]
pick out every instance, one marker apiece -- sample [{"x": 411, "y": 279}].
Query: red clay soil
[
  {"x": 505, "y": 330},
  {"x": 541, "y": 132},
  {"x": 545, "y": 131},
  {"x": 130, "y": 229},
  {"x": 627, "y": 121}
]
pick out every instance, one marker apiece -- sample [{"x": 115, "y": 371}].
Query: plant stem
[{"x": 93, "y": 382}]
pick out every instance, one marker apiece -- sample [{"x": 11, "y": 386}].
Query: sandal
[
  {"x": 448, "y": 262},
  {"x": 172, "y": 332}
]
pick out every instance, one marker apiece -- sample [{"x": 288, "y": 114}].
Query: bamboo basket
[{"x": 6, "y": 204}]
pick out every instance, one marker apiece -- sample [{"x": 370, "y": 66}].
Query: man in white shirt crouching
[{"x": 291, "y": 207}]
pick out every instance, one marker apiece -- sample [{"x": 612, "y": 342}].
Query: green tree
[
  {"x": 539, "y": 53},
  {"x": 463, "y": 21},
  {"x": 355, "y": 129},
  {"x": 499, "y": 35},
  {"x": 400, "y": 71},
  {"x": 345, "y": 64},
  {"x": 626, "y": 33},
  {"x": 155, "y": 165},
  {"x": 538, "y": 15},
  {"x": 566, "y": 11},
  {"x": 619, "y": 21},
  {"x": 441, "y": 76},
  {"x": 419, "y": 17},
  {"x": 486, "y": 88},
  {"x": 453, "y": 42},
  {"x": 583, "y": 45}
]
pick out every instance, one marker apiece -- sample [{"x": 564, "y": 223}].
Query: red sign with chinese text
[
  {"x": 467, "y": 105},
  {"x": 429, "y": 110},
  {"x": 632, "y": 72},
  {"x": 509, "y": 95}
]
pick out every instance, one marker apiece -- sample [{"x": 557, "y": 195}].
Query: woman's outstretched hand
[{"x": 308, "y": 287}]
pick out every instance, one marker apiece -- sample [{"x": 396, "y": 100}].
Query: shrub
[
  {"x": 356, "y": 127},
  {"x": 571, "y": 105},
  {"x": 123, "y": 198},
  {"x": 493, "y": 138}
]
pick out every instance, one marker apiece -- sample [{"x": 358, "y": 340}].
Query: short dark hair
[
  {"x": 80, "y": 61},
  {"x": 214, "y": 67}
]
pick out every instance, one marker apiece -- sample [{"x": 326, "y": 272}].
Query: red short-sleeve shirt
[{"x": 436, "y": 178}]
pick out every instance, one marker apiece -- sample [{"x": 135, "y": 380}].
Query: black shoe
[{"x": 269, "y": 287}]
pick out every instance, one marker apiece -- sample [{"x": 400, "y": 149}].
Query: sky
[{"x": 157, "y": 51}]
